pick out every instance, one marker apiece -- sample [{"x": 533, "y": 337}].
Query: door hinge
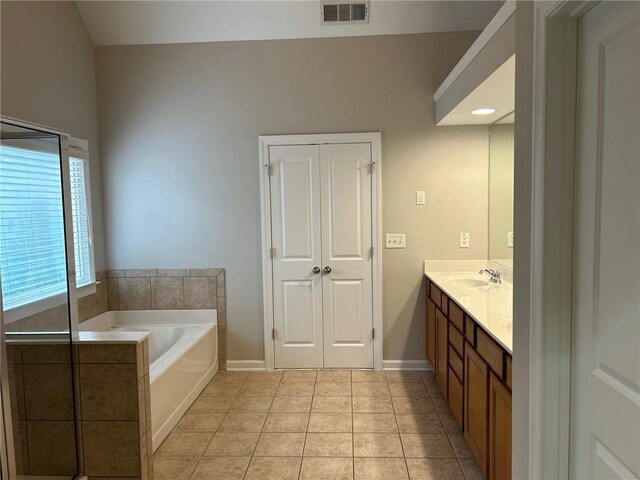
[
  {"x": 272, "y": 253},
  {"x": 371, "y": 252},
  {"x": 273, "y": 334},
  {"x": 270, "y": 168},
  {"x": 373, "y": 333}
]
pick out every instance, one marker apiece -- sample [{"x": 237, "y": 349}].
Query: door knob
[
  {"x": 327, "y": 269},
  {"x": 316, "y": 270}
]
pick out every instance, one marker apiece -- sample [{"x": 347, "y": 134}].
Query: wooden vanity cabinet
[
  {"x": 474, "y": 373},
  {"x": 431, "y": 333},
  {"x": 456, "y": 397},
  {"x": 442, "y": 352},
  {"x": 499, "y": 430},
  {"x": 476, "y": 393}
]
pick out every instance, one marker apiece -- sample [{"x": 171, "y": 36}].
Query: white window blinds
[
  {"x": 32, "y": 248},
  {"x": 82, "y": 237},
  {"x": 32, "y": 242}
]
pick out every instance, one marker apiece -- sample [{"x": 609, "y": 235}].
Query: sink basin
[
  {"x": 467, "y": 282},
  {"x": 504, "y": 322}
]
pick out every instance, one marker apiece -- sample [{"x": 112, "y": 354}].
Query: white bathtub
[{"x": 183, "y": 357}]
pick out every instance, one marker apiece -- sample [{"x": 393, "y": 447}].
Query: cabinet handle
[
  {"x": 316, "y": 270},
  {"x": 327, "y": 269}
]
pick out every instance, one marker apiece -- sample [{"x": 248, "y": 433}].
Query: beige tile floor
[{"x": 316, "y": 425}]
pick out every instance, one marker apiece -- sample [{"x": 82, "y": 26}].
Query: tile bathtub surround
[
  {"x": 307, "y": 424},
  {"x": 115, "y": 410},
  {"x": 96, "y": 303},
  {"x": 161, "y": 289},
  {"x": 42, "y": 408}
]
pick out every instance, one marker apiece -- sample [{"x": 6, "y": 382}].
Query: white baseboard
[
  {"x": 239, "y": 365},
  {"x": 405, "y": 365}
]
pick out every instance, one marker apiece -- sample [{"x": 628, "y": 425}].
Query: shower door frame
[{"x": 7, "y": 451}]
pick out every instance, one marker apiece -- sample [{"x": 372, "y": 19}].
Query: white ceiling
[
  {"x": 147, "y": 22},
  {"x": 497, "y": 91}
]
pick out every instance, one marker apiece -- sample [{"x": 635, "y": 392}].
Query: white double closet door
[{"x": 322, "y": 263}]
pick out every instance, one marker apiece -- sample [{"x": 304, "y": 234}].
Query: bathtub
[{"x": 183, "y": 357}]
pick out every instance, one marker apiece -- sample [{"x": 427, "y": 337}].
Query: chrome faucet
[{"x": 494, "y": 274}]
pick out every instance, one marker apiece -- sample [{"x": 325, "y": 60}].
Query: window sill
[{"x": 88, "y": 289}]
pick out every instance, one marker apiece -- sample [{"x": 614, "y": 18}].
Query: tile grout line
[
  {"x": 280, "y": 382},
  {"x": 353, "y": 434},
  {"x": 306, "y": 433},
  {"x": 395, "y": 417}
]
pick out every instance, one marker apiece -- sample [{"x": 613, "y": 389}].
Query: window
[
  {"x": 81, "y": 211},
  {"x": 32, "y": 241}
]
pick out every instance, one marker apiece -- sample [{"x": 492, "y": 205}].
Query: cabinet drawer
[
  {"x": 431, "y": 333},
  {"x": 455, "y": 362},
  {"x": 442, "y": 351},
  {"x": 490, "y": 352},
  {"x": 456, "y": 339},
  {"x": 456, "y": 316},
  {"x": 508, "y": 374},
  {"x": 436, "y": 295},
  {"x": 470, "y": 330},
  {"x": 455, "y": 398},
  {"x": 444, "y": 304}
]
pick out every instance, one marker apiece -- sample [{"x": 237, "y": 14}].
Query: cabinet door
[
  {"x": 499, "y": 431},
  {"x": 476, "y": 394},
  {"x": 431, "y": 333},
  {"x": 442, "y": 351},
  {"x": 455, "y": 397}
]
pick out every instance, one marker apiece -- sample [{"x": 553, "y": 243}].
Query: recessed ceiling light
[{"x": 484, "y": 111}]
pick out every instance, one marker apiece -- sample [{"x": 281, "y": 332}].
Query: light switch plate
[
  {"x": 465, "y": 240},
  {"x": 509, "y": 239},
  {"x": 395, "y": 240},
  {"x": 420, "y": 198}
]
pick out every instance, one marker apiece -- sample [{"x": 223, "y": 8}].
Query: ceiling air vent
[{"x": 333, "y": 12}]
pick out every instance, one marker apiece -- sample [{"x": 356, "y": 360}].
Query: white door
[
  {"x": 296, "y": 239},
  {"x": 605, "y": 415},
  {"x": 322, "y": 276},
  {"x": 346, "y": 251}
]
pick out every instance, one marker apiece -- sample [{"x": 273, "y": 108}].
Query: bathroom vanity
[{"x": 469, "y": 345}]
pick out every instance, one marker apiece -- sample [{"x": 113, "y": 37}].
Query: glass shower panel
[{"x": 35, "y": 304}]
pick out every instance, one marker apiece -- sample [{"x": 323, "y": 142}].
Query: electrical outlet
[
  {"x": 420, "y": 198},
  {"x": 509, "y": 239},
  {"x": 395, "y": 240},
  {"x": 465, "y": 240}
]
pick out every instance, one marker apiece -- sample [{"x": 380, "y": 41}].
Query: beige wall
[
  {"x": 48, "y": 77},
  {"x": 179, "y": 126},
  {"x": 500, "y": 193}
]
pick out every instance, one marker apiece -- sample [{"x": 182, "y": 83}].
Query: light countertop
[{"x": 491, "y": 305}]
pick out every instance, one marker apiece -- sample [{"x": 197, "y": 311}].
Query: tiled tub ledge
[
  {"x": 106, "y": 410},
  {"x": 110, "y": 338},
  {"x": 161, "y": 289},
  {"x": 115, "y": 404}
]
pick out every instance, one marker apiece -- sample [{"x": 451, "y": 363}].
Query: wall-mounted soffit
[
  {"x": 489, "y": 102},
  {"x": 480, "y": 89}
]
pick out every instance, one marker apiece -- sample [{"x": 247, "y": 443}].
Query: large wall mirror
[{"x": 501, "y": 236}]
